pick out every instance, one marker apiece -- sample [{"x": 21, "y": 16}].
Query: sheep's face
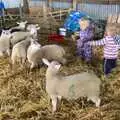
[
  {"x": 6, "y": 33},
  {"x": 31, "y": 26},
  {"x": 22, "y": 24},
  {"x": 55, "y": 66}
]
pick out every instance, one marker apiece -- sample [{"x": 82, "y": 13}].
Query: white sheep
[
  {"x": 19, "y": 51},
  {"x": 21, "y": 27},
  {"x": 19, "y": 36},
  {"x": 70, "y": 87},
  {"x": 5, "y": 42},
  {"x": 34, "y": 28},
  {"x": 50, "y": 52}
]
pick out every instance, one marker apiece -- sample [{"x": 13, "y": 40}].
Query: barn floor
[{"x": 23, "y": 96}]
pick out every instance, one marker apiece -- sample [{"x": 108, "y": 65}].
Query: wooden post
[
  {"x": 49, "y": 2},
  {"x": 60, "y": 9},
  {"x": 3, "y": 17},
  {"x": 74, "y": 4},
  {"x": 26, "y": 6},
  {"x": 20, "y": 11}
]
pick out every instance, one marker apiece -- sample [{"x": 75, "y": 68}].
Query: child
[
  {"x": 86, "y": 34},
  {"x": 110, "y": 49}
]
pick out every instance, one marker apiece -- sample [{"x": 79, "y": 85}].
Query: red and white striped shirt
[{"x": 111, "y": 49}]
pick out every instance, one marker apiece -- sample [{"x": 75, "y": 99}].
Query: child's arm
[
  {"x": 98, "y": 42},
  {"x": 87, "y": 35}
]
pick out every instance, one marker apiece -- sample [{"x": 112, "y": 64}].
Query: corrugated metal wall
[
  {"x": 99, "y": 11},
  {"x": 36, "y": 3}
]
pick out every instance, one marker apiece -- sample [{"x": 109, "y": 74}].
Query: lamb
[
  {"x": 19, "y": 51},
  {"x": 70, "y": 87},
  {"x": 34, "y": 28},
  {"x": 21, "y": 27},
  {"x": 4, "y": 42},
  {"x": 19, "y": 36},
  {"x": 50, "y": 52}
]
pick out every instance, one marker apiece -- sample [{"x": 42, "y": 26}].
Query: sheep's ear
[
  {"x": 26, "y": 22},
  {"x": 10, "y": 30},
  {"x": 38, "y": 28},
  {"x": 18, "y": 23},
  {"x": 45, "y": 61},
  {"x": 36, "y": 25}
]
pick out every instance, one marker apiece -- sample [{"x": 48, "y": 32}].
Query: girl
[
  {"x": 86, "y": 34},
  {"x": 110, "y": 49}
]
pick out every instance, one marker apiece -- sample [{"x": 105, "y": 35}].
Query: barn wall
[
  {"x": 11, "y": 3},
  {"x": 99, "y": 11}
]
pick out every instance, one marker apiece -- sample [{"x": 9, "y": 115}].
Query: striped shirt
[{"x": 110, "y": 47}]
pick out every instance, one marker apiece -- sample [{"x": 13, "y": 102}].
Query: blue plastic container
[
  {"x": 2, "y": 5},
  {"x": 72, "y": 21},
  {"x": 1, "y": 8}
]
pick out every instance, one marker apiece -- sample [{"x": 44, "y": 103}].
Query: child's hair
[
  {"x": 84, "y": 19},
  {"x": 84, "y": 22},
  {"x": 111, "y": 28}
]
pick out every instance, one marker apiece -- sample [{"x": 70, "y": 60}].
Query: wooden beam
[
  {"x": 49, "y": 2},
  {"x": 74, "y": 4}
]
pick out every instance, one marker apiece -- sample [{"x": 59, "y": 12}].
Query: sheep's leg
[
  {"x": 23, "y": 60},
  {"x": 32, "y": 65},
  {"x": 54, "y": 103},
  {"x": 8, "y": 52},
  {"x": 1, "y": 54},
  {"x": 13, "y": 63},
  {"x": 96, "y": 100},
  {"x": 59, "y": 98}
]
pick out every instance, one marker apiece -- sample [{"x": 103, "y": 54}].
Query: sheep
[
  {"x": 70, "y": 87},
  {"x": 19, "y": 51},
  {"x": 50, "y": 52},
  {"x": 34, "y": 28},
  {"x": 21, "y": 27},
  {"x": 19, "y": 36},
  {"x": 5, "y": 42}
]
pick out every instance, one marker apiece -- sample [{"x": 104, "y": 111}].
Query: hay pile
[{"x": 23, "y": 96}]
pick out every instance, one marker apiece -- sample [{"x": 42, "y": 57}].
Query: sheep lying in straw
[
  {"x": 35, "y": 54},
  {"x": 70, "y": 87}
]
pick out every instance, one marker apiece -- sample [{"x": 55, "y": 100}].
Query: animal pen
[{"x": 22, "y": 91}]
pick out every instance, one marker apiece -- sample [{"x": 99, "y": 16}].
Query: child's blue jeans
[{"x": 109, "y": 64}]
